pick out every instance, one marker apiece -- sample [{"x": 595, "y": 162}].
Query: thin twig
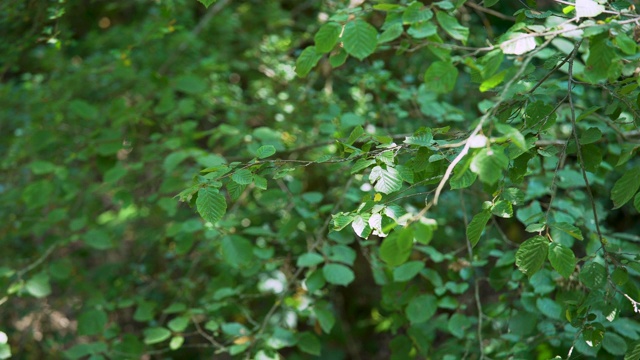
[{"x": 497, "y": 14}]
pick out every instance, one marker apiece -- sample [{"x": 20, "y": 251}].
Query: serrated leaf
[
  {"x": 359, "y": 39},
  {"x": 391, "y": 33},
  {"x": 562, "y": 259},
  {"x": 626, "y": 187},
  {"x": 532, "y": 254},
  {"x": 588, "y": 8},
  {"x": 265, "y": 151},
  {"x": 634, "y": 352},
  {"x": 338, "y": 58},
  {"x": 568, "y": 229},
  {"x": 327, "y": 37},
  {"x": 489, "y": 163},
  {"x": 476, "y": 226},
  {"x": 397, "y": 247},
  {"x": 452, "y": 27},
  {"x": 338, "y": 274},
  {"x": 341, "y": 220},
  {"x": 307, "y": 61},
  {"x": 211, "y": 205},
  {"x": 362, "y": 164},
  {"x": 441, "y": 77},
  {"x": 242, "y": 177},
  {"x": 407, "y": 271},
  {"x": 386, "y": 180},
  {"x": 155, "y": 335},
  {"x": 422, "y": 139},
  {"x": 235, "y": 190}
]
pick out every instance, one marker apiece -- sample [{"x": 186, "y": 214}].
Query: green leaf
[
  {"x": 614, "y": 344},
  {"x": 422, "y": 30},
  {"x": 179, "y": 324},
  {"x": 156, "y": 335},
  {"x": 424, "y": 139},
  {"x": 386, "y": 180},
  {"x": 562, "y": 259},
  {"x": 242, "y": 177},
  {"x": 416, "y": 12},
  {"x": 601, "y": 57},
  {"x": 359, "y": 39},
  {"x": 391, "y": 33},
  {"x": 634, "y": 352},
  {"x": 514, "y": 135},
  {"x": 325, "y": 318},
  {"x": 441, "y": 77},
  {"x": 489, "y": 163},
  {"x": 396, "y": 248},
  {"x": 636, "y": 202},
  {"x": 309, "y": 259},
  {"x": 211, "y": 205},
  {"x": 265, "y": 151},
  {"x": 590, "y": 136},
  {"x": 92, "y": 322},
  {"x": 458, "y": 325},
  {"x": 532, "y": 254},
  {"x": 38, "y": 285},
  {"x": 176, "y": 342},
  {"x": 452, "y": 27},
  {"x": 338, "y": 274},
  {"x": 338, "y": 58},
  {"x": 307, "y": 61},
  {"x": 493, "y": 81},
  {"x": 207, "y": 3},
  {"x": 407, "y": 271},
  {"x": 421, "y": 308},
  {"x": 625, "y": 43},
  {"x": 503, "y": 209},
  {"x": 309, "y": 343},
  {"x": 477, "y": 225},
  {"x": 626, "y": 187},
  {"x": 568, "y": 229},
  {"x": 327, "y": 37},
  {"x": 98, "y": 239},
  {"x": 620, "y": 276},
  {"x": 236, "y": 251},
  {"x": 593, "y": 275}
]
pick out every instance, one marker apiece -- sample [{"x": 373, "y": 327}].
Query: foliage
[{"x": 294, "y": 180}]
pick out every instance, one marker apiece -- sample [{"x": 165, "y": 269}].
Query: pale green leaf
[
  {"x": 489, "y": 163},
  {"x": 359, "y": 39},
  {"x": 211, "y": 204},
  {"x": 338, "y": 274},
  {"x": 588, "y": 8},
  {"x": 327, "y": 37},
  {"x": 452, "y": 27},
  {"x": 626, "y": 187},
  {"x": 176, "y": 342},
  {"x": 532, "y": 254},
  {"x": 38, "y": 286},
  {"x": 476, "y": 226},
  {"x": 441, "y": 77},
  {"x": 155, "y": 335},
  {"x": 562, "y": 259},
  {"x": 386, "y": 180},
  {"x": 265, "y": 151}
]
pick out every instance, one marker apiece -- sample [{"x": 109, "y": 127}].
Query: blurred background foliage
[{"x": 109, "y": 109}]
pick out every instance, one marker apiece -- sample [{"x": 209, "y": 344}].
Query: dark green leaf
[
  {"x": 338, "y": 274},
  {"x": 626, "y": 187},
  {"x": 327, "y": 37},
  {"x": 309, "y": 343},
  {"x": 307, "y": 61},
  {"x": 451, "y": 25},
  {"x": 407, "y": 271},
  {"x": 421, "y": 308},
  {"x": 532, "y": 254},
  {"x": 396, "y": 248},
  {"x": 441, "y": 77},
  {"x": 562, "y": 259}
]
